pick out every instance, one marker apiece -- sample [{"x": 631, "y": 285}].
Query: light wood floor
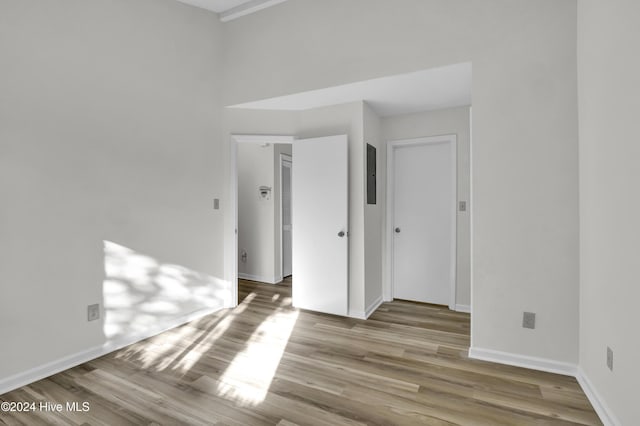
[{"x": 265, "y": 363}]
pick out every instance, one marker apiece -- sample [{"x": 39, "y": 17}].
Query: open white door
[{"x": 319, "y": 221}]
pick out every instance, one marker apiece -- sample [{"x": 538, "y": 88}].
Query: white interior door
[
  {"x": 320, "y": 219},
  {"x": 286, "y": 216},
  {"x": 424, "y": 214}
]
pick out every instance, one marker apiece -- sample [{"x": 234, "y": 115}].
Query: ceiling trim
[{"x": 247, "y": 8}]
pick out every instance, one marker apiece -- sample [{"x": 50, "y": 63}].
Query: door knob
[
  {"x": 341, "y": 234},
  {"x": 397, "y": 230}
]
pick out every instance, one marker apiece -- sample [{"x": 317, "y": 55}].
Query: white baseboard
[
  {"x": 363, "y": 315},
  {"x": 357, "y": 314},
  {"x": 463, "y": 308},
  {"x": 604, "y": 412},
  {"x": 33, "y": 375},
  {"x": 266, "y": 280},
  {"x": 45, "y": 370},
  {"x": 371, "y": 309},
  {"x": 534, "y": 363}
]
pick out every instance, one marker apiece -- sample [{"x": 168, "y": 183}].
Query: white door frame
[
  {"x": 232, "y": 260},
  {"x": 392, "y": 146},
  {"x": 283, "y": 158}
]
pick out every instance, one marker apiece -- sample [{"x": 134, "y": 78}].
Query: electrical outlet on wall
[
  {"x": 93, "y": 312},
  {"x": 529, "y": 320},
  {"x": 609, "y": 358}
]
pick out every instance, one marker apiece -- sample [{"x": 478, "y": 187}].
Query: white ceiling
[{"x": 426, "y": 90}]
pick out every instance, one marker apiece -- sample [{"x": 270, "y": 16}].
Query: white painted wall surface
[
  {"x": 109, "y": 128},
  {"x": 435, "y": 123},
  {"x": 256, "y": 215},
  {"x": 525, "y": 130},
  {"x": 608, "y": 69},
  {"x": 374, "y": 214}
]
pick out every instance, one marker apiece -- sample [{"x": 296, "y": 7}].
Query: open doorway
[
  {"x": 259, "y": 212},
  {"x": 269, "y": 193}
]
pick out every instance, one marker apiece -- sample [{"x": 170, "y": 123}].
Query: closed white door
[
  {"x": 424, "y": 214},
  {"x": 319, "y": 222},
  {"x": 286, "y": 217}
]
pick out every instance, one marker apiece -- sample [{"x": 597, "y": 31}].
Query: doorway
[
  {"x": 255, "y": 258},
  {"x": 318, "y": 219},
  {"x": 422, "y": 219}
]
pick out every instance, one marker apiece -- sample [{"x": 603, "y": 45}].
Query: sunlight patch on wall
[{"x": 139, "y": 292}]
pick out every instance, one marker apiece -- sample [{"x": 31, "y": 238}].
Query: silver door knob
[
  {"x": 341, "y": 234},
  {"x": 397, "y": 230}
]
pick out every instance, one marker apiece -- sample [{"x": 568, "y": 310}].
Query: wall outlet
[
  {"x": 462, "y": 206},
  {"x": 216, "y": 204},
  {"x": 243, "y": 256},
  {"x": 93, "y": 312},
  {"x": 610, "y": 358},
  {"x": 529, "y": 320}
]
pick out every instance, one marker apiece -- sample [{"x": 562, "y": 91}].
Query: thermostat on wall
[{"x": 265, "y": 192}]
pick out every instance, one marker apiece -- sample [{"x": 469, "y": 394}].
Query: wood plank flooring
[{"x": 265, "y": 363}]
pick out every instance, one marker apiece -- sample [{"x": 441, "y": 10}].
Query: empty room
[{"x": 319, "y": 212}]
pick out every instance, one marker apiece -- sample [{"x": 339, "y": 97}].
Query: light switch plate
[{"x": 462, "y": 206}]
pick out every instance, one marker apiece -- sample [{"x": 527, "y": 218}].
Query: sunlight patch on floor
[
  {"x": 247, "y": 380},
  {"x": 181, "y": 348}
]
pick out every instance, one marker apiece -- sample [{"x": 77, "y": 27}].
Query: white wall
[
  {"x": 435, "y": 123},
  {"x": 256, "y": 215},
  {"x": 109, "y": 126},
  {"x": 608, "y": 67},
  {"x": 124, "y": 95},
  {"x": 374, "y": 214},
  {"x": 525, "y": 174}
]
